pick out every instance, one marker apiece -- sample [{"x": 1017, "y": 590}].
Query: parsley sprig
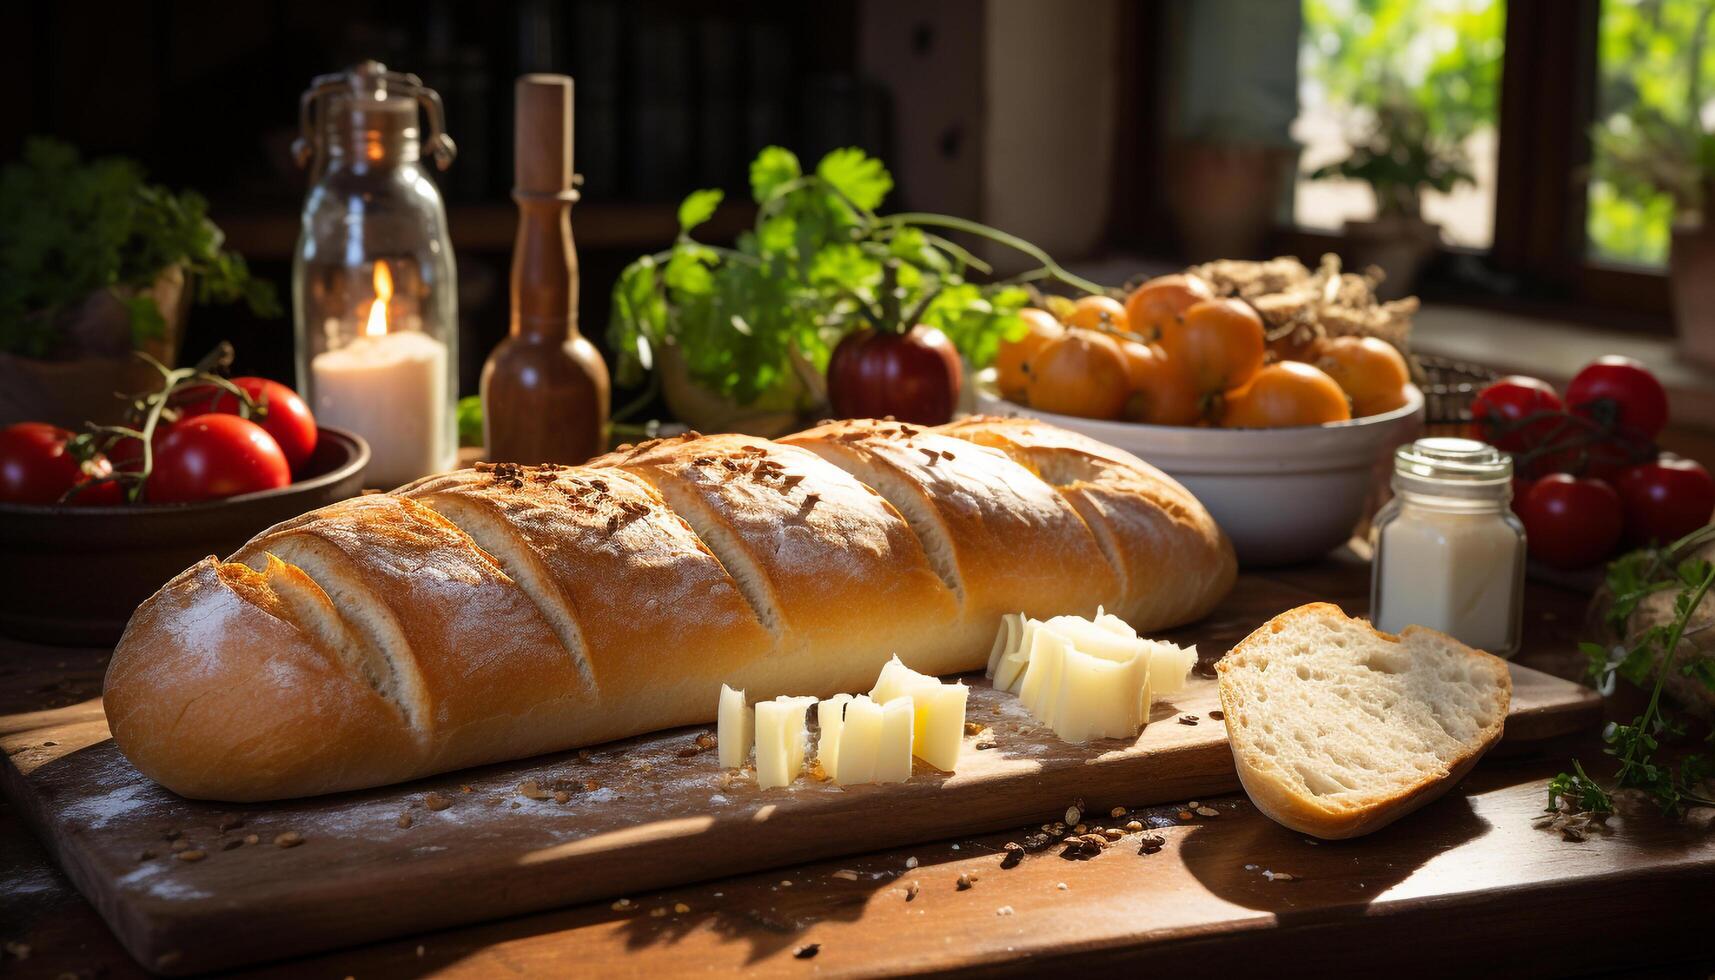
[
  {"x": 751, "y": 321},
  {"x": 1655, "y": 650}
]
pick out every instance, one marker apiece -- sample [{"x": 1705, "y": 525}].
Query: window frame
[{"x": 1539, "y": 261}]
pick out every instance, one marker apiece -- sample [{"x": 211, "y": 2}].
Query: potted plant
[
  {"x": 740, "y": 339},
  {"x": 94, "y": 264},
  {"x": 1399, "y": 156},
  {"x": 1643, "y": 154}
]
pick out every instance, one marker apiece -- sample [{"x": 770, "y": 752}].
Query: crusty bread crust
[
  {"x": 1340, "y": 818},
  {"x": 504, "y": 611}
]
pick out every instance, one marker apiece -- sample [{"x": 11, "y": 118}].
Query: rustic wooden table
[{"x": 1468, "y": 883}]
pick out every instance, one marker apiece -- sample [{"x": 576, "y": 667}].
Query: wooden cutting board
[{"x": 635, "y": 815}]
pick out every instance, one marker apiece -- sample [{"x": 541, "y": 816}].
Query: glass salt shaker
[{"x": 1449, "y": 553}]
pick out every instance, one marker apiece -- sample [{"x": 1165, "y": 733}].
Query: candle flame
[{"x": 383, "y": 295}]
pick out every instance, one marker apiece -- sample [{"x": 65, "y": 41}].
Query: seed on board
[
  {"x": 807, "y": 950},
  {"x": 531, "y": 789},
  {"x": 621, "y": 905},
  {"x": 436, "y": 801},
  {"x": 658, "y": 912},
  {"x": 1150, "y": 843},
  {"x": 1003, "y": 910},
  {"x": 910, "y": 862},
  {"x": 1187, "y": 719},
  {"x": 911, "y": 890},
  {"x": 1081, "y": 829},
  {"x": 1208, "y": 811},
  {"x": 1014, "y": 853},
  {"x": 404, "y": 821},
  {"x": 1184, "y": 814},
  {"x": 1217, "y": 715},
  {"x": 252, "y": 839},
  {"x": 1113, "y": 833},
  {"x": 561, "y": 796},
  {"x": 1074, "y": 813},
  {"x": 181, "y": 845},
  {"x": 290, "y": 838},
  {"x": 192, "y": 855},
  {"x": 1133, "y": 827},
  {"x": 964, "y": 882},
  {"x": 845, "y": 874},
  {"x": 231, "y": 821},
  {"x": 681, "y": 908},
  {"x": 1117, "y": 812}
]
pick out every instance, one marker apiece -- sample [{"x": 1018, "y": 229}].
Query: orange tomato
[
  {"x": 1371, "y": 372},
  {"x": 1161, "y": 394},
  {"x": 1218, "y": 343},
  {"x": 1082, "y": 373},
  {"x": 1162, "y": 299},
  {"x": 1012, "y": 361},
  {"x": 1288, "y": 393},
  {"x": 1097, "y": 313}
]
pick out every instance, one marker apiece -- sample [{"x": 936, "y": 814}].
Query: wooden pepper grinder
[{"x": 544, "y": 389}]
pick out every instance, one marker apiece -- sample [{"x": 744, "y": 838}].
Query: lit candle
[{"x": 391, "y": 388}]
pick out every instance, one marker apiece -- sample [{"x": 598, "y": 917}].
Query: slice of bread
[{"x": 1339, "y": 729}]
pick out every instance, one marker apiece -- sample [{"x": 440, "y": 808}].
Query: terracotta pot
[
  {"x": 1224, "y": 197},
  {"x": 1691, "y": 273},
  {"x": 1401, "y": 246},
  {"x": 775, "y": 414},
  {"x": 95, "y": 361}
]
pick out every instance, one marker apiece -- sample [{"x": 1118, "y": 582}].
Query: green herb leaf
[
  {"x": 774, "y": 167},
  {"x": 858, "y": 176},
  {"x": 470, "y": 420},
  {"x": 697, "y": 208}
]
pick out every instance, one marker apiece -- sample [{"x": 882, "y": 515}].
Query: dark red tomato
[
  {"x": 1499, "y": 410},
  {"x": 279, "y": 410},
  {"x": 1620, "y": 390},
  {"x": 35, "y": 468},
  {"x": 914, "y": 376},
  {"x": 1571, "y": 522},
  {"x": 1666, "y": 500},
  {"x": 211, "y": 456}
]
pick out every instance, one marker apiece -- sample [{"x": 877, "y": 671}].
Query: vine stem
[{"x": 1011, "y": 241}]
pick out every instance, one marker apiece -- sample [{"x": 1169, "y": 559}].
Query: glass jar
[
  {"x": 1449, "y": 553},
  {"x": 374, "y": 289}
]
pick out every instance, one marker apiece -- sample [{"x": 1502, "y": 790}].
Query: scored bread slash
[{"x": 1415, "y": 712}]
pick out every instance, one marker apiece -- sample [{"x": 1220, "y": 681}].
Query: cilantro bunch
[
  {"x": 1654, "y": 651},
  {"x": 751, "y": 321},
  {"x": 69, "y": 229}
]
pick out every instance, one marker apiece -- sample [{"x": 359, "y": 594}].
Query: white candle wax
[{"x": 392, "y": 390}]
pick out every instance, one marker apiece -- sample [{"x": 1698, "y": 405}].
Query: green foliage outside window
[
  {"x": 1654, "y": 150},
  {"x": 1422, "y": 75}
]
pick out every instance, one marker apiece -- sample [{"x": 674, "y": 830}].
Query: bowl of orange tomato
[{"x": 1285, "y": 445}]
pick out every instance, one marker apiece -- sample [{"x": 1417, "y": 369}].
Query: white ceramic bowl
[{"x": 1283, "y": 495}]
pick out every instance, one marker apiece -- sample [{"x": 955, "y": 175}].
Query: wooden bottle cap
[{"x": 542, "y": 139}]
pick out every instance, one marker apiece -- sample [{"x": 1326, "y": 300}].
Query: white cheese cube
[
  {"x": 938, "y": 727},
  {"x": 733, "y": 728},
  {"x": 831, "y": 719},
  {"x": 780, "y": 739},
  {"x": 860, "y": 741},
  {"x": 1169, "y": 666},
  {"x": 893, "y": 749}
]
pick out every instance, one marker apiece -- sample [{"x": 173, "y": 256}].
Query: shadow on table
[{"x": 1307, "y": 877}]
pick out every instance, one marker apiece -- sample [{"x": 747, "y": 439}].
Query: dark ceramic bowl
[{"x": 73, "y": 575}]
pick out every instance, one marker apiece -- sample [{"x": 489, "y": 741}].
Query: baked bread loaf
[
  {"x": 1339, "y": 729},
  {"x": 505, "y": 611}
]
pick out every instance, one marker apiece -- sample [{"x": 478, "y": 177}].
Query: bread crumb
[
  {"x": 1003, "y": 910},
  {"x": 436, "y": 801}
]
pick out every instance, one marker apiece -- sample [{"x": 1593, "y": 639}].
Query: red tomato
[
  {"x": 1570, "y": 522},
  {"x": 913, "y": 376},
  {"x": 36, "y": 469},
  {"x": 213, "y": 456},
  {"x": 1665, "y": 500},
  {"x": 1521, "y": 490},
  {"x": 279, "y": 411},
  {"x": 1621, "y": 390},
  {"x": 1499, "y": 410}
]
